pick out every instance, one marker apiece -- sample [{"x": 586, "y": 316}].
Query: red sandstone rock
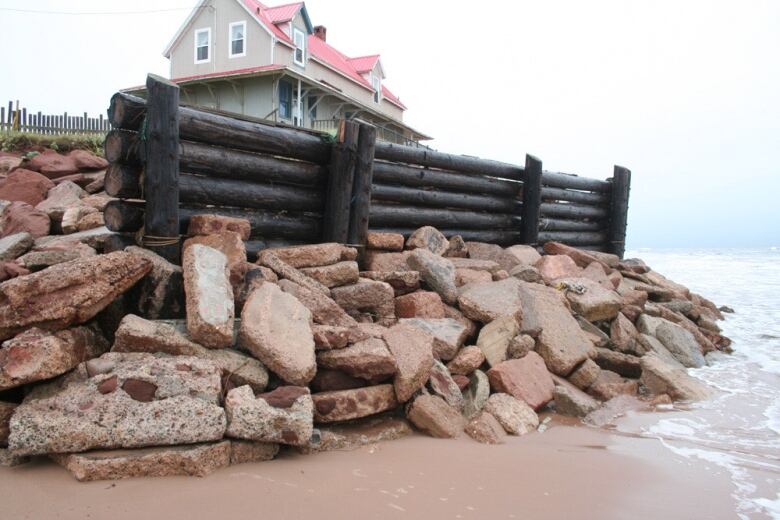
[
  {"x": 420, "y": 304},
  {"x": 486, "y": 429},
  {"x": 557, "y": 266},
  {"x": 85, "y": 160},
  {"x": 210, "y": 307},
  {"x": 385, "y": 241},
  {"x": 346, "y": 405},
  {"x": 430, "y": 238},
  {"x": 389, "y": 262},
  {"x": 467, "y": 360},
  {"x": 369, "y": 359},
  {"x": 25, "y": 186},
  {"x": 526, "y": 378},
  {"x": 19, "y": 217},
  {"x": 215, "y": 224},
  {"x": 431, "y": 414},
  {"x": 412, "y": 349},
  {"x": 52, "y": 165}
]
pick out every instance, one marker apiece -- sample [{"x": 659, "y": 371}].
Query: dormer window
[
  {"x": 203, "y": 45},
  {"x": 299, "y": 39},
  {"x": 376, "y": 81},
  {"x": 237, "y": 44}
]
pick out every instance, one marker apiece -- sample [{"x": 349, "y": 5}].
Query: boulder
[
  {"x": 412, "y": 349},
  {"x": 494, "y": 338},
  {"x": 209, "y": 294},
  {"x": 429, "y": 238},
  {"x": 432, "y": 415},
  {"x": 19, "y": 217},
  {"x": 494, "y": 253},
  {"x": 647, "y": 324},
  {"x": 609, "y": 385},
  {"x": 361, "y": 432},
  {"x": 282, "y": 416},
  {"x": 10, "y": 270},
  {"x": 229, "y": 244},
  {"x": 442, "y": 384},
  {"x": 526, "y": 273},
  {"x": 275, "y": 328},
  {"x": 67, "y": 294},
  {"x": 623, "y": 334},
  {"x": 437, "y": 272},
  {"x": 328, "y": 380},
  {"x": 419, "y": 304},
  {"x": 381, "y": 261},
  {"x": 519, "y": 346},
  {"x": 486, "y": 429},
  {"x": 334, "y": 275},
  {"x": 216, "y": 224},
  {"x": 61, "y": 197},
  {"x": 552, "y": 267},
  {"x": 476, "y": 393},
  {"x": 624, "y": 364},
  {"x": 591, "y": 300},
  {"x": 466, "y": 361},
  {"x": 329, "y": 337},
  {"x": 9, "y": 162},
  {"x": 525, "y": 255},
  {"x": 448, "y": 334},
  {"x": 467, "y": 276},
  {"x": 86, "y": 160},
  {"x": 345, "y": 405},
  {"x": 681, "y": 344},
  {"x": 6, "y": 411},
  {"x": 160, "y": 293},
  {"x": 313, "y": 255},
  {"x": 73, "y": 215},
  {"x": 473, "y": 264},
  {"x": 14, "y": 246},
  {"x": 267, "y": 258},
  {"x": 514, "y": 415},
  {"x": 25, "y": 186},
  {"x": 121, "y": 401},
  {"x": 323, "y": 309},
  {"x": 585, "y": 375},
  {"x": 457, "y": 248},
  {"x": 368, "y": 359},
  {"x": 650, "y": 344},
  {"x": 660, "y": 377},
  {"x": 376, "y": 298},
  {"x": 385, "y": 241},
  {"x": 580, "y": 257},
  {"x": 402, "y": 282},
  {"x": 572, "y": 401},
  {"x": 596, "y": 272},
  {"x": 52, "y": 165},
  {"x": 242, "y": 452},
  {"x": 526, "y": 378},
  {"x": 90, "y": 221},
  {"x": 485, "y": 302}
]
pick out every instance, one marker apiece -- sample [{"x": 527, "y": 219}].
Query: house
[{"x": 272, "y": 63}]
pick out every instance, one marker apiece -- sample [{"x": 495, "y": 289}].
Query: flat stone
[
  {"x": 334, "y": 275},
  {"x": 376, "y": 298},
  {"x": 442, "y": 384},
  {"x": 79, "y": 412},
  {"x": 242, "y": 452},
  {"x": 466, "y": 361},
  {"x": 386, "y": 262},
  {"x": 526, "y": 273},
  {"x": 457, "y": 248},
  {"x": 345, "y": 405},
  {"x": 514, "y": 415},
  {"x": 6, "y": 411},
  {"x": 572, "y": 401},
  {"x": 486, "y": 302},
  {"x": 585, "y": 375},
  {"x": 494, "y": 338},
  {"x": 596, "y": 303},
  {"x": 14, "y": 246},
  {"x": 385, "y": 241},
  {"x": 323, "y": 309},
  {"x": 20, "y": 217},
  {"x": 624, "y": 364},
  {"x": 267, "y": 258},
  {"x": 437, "y": 272},
  {"x": 210, "y": 306},
  {"x": 486, "y": 429},
  {"x": 197, "y": 460},
  {"x": 432, "y": 415},
  {"x": 313, "y": 255},
  {"x": 492, "y": 252},
  {"x": 610, "y": 385},
  {"x": 448, "y": 334},
  {"x": 215, "y": 224},
  {"x": 552, "y": 267},
  {"x": 283, "y": 416},
  {"x": 467, "y": 276},
  {"x": 95, "y": 238},
  {"x": 580, "y": 257},
  {"x": 67, "y": 294},
  {"x": 402, "y": 282},
  {"x": 419, "y": 304},
  {"x": 412, "y": 349},
  {"x": 561, "y": 343},
  {"x": 476, "y": 393},
  {"x": 368, "y": 359},
  {"x": 660, "y": 377},
  {"x": 681, "y": 344},
  {"x": 229, "y": 244},
  {"x": 275, "y": 328},
  {"x": 430, "y": 238},
  {"x": 525, "y": 255},
  {"x": 362, "y": 432},
  {"x": 526, "y": 378}
]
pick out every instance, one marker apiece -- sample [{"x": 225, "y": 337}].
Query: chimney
[{"x": 321, "y": 32}]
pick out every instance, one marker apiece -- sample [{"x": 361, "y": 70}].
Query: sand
[{"x": 568, "y": 471}]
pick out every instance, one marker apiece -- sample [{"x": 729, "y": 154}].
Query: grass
[{"x": 11, "y": 141}]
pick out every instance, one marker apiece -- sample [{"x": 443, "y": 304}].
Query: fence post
[
  {"x": 532, "y": 200},
  {"x": 361, "y": 188},
  {"x": 161, "y": 179},
  {"x": 618, "y": 213},
  {"x": 341, "y": 175}
]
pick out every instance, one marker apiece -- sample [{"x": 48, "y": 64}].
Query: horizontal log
[
  {"x": 265, "y": 224},
  {"x": 574, "y": 238},
  {"x": 122, "y": 146},
  {"x": 443, "y": 199},
  {"x": 554, "y": 224},
  {"x": 459, "y": 163},
  {"x": 124, "y": 215},
  {"x": 401, "y": 174},
  {"x": 564, "y": 180},
  {"x": 226, "y": 192},
  {"x": 126, "y": 111},
  {"x": 573, "y": 211},
  {"x": 574, "y": 196},
  {"x": 123, "y": 181},
  {"x": 493, "y": 236},
  {"x": 382, "y": 215}
]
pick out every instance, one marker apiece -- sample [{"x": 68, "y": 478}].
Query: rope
[{"x": 151, "y": 240}]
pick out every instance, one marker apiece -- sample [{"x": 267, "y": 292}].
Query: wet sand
[{"x": 568, "y": 471}]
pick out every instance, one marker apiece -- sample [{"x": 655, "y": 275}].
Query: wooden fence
[
  {"x": 169, "y": 162},
  {"x": 24, "y": 120}
]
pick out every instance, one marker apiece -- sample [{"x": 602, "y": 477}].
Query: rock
[
  {"x": 660, "y": 377},
  {"x": 596, "y": 272},
  {"x": 99, "y": 201},
  {"x": 457, "y": 248},
  {"x": 492, "y": 252},
  {"x": 19, "y": 217},
  {"x": 8, "y": 163},
  {"x": 14, "y": 246},
  {"x": 386, "y": 262},
  {"x": 580, "y": 257},
  {"x": 197, "y": 460},
  {"x": 429, "y": 238},
  {"x": 136, "y": 334},
  {"x": 253, "y": 277},
  {"x": 67, "y": 294},
  {"x": 85, "y": 160},
  {"x": 448, "y": 334},
  {"x": 60, "y": 198},
  {"x": 216, "y": 224},
  {"x": 95, "y": 238},
  {"x": 476, "y": 393},
  {"x": 623, "y": 334},
  {"x": 282, "y": 416},
  {"x": 160, "y": 293},
  {"x": 368, "y": 359},
  {"x": 6, "y": 411},
  {"x": 487, "y": 266},
  {"x": 362, "y": 432},
  {"x": 9, "y": 459},
  {"x": 10, "y": 270},
  {"x": 594, "y": 304},
  {"x": 470, "y": 326},
  {"x": 334, "y": 275},
  {"x": 437, "y": 272},
  {"x": 38, "y": 260},
  {"x": 385, "y": 241},
  {"x": 275, "y": 328},
  {"x": 210, "y": 307},
  {"x": 376, "y": 298},
  {"x": 526, "y": 273},
  {"x": 329, "y": 337},
  {"x": 432, "y": 415},
  {"x": 326, "y": 380},
  {"x": 561, "y": 343},
  {"x": 609, "y": 385},
  {"x": 526, "y": 378},
  {"x": 25, "y": 186},
  {"x": 525, "y": 255},
  {"x": 569, "y": 400},
  {"x": 412, "y": 349},
  {"x": 268, "y": 259},
  {"x": 345, "y": 405},
  {"x": 242, "y": 452},
  {"x": 486, "y": 302},
  {"x": 647, "y": 324},
  {"x": 72, "y": 215},
  {"x": 442, "y": 384},
  {"x": 585, "y": 374},
  {"x": 52, "y": 165},
  {"x": 90, "y": 221},
  {"x": 323, "y": 309},
  {"x": 552, "y": 267},
  {"x": 494, "y": 338},
  {"x": 486, "y": 429},
  {"x": 420, "y": 304},
  {"x": 230, "y": 245},
  {"x": 79, "y": 412},
  {"x": 461, "y": 381},
  {"x": 624, "y": 364},
  {"x": 681, "y": 344},
  {"x": 36, "y": 355},
  {"x": 402, "y": 282},
  {"x": 519, "y": 346},
  {"x": 314, "y": 255},
  {"x": 514, "y": 415},
  {"x": 650, "y": 344},
  {"x": 467, "y": 276},
  {"x": 500, "y": 275},
  {"x": 467, "y": 360}
]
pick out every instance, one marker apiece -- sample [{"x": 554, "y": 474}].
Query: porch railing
[{"x": 382, "y": 134}]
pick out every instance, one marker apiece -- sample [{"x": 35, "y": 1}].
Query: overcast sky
[{"x": 684, "y": 93}]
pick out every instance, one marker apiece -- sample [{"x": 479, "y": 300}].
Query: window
[
  {"x": 299, "y": 38},
  {"x": 237, "y": 42},
  {"x": 312, "y": 107},
  {"x": 203, "y": 45},
  {"x": 285, "y": 99},
  {"x": 376, "y": 81}
]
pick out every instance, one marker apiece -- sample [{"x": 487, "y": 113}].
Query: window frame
[
  {"x": 289, "y": 101},
  {"x": 242, "y": 24},
  {"x": 207, "y": 30},
  {"x": 302, "y": 48},
  {"x": 376, "y": 83}
]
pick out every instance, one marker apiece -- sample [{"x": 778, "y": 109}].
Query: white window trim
[
  {"x": 230, "y": 39},
  {"x": 376, "y": 84},
  {"x": 296, "y": 32},
  {"x": 207, "y": 30}
]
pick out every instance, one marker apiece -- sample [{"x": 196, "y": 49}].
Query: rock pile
[{"x": 122, "y": 364}]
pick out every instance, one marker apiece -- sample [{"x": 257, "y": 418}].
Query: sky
[{"x": 684, "y": 93}]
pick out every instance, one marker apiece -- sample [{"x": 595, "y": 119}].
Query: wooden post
[
  {"x": 618, "y": 215},
  {"x": 361, "y": 188},
  {"x": 341, "y": 175},
  {"x": 161, "y": 173},
  {"x": 532, "y": 200}
]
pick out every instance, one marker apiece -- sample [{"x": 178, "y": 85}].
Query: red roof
[
  {"x": 283, "y": 13},
  {"x": 364, "y": 63},
  {"x": 236, "y": 72}
]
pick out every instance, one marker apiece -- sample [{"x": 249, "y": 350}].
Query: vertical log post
[
  {"x": 361, "y": 188},
  {"x": 161, "y": 178},
  {"x": 532, "y": 200},
  {"x": 618, "y": 215},
  {"x": 341, "y": 175}
]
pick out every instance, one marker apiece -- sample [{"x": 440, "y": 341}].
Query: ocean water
[{"x": 738, "y": 431}]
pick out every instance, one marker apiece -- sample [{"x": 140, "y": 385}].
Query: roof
[
  {"x": 364, "y": 63},
  {"x": 283, "y": 13}
]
